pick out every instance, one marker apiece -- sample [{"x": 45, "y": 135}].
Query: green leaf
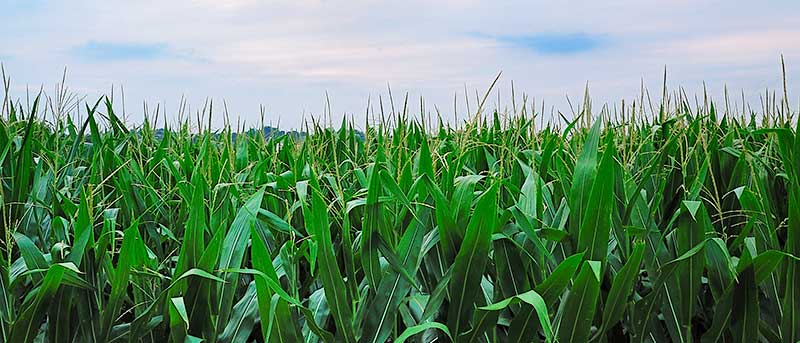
[
  {"x": 585, "y": 172},
  {"x": 394, "y": 287},
  {"x": 471, "y": 261},
  {"x": 242, "y": 319},
  {"x": 84, "y": 233},
  {"x": 621, "y": 288},
  {"x": 552, "y": 287},
  {"x": 416, "y": 329},
  {"x": 374, "y": 224},
  {"x": 287, "y": 330},
  {"x": 30, "y": 253},
  {"x": 745, "y": 311},
  {"x": 232, "y": 254},
  {"x": 130, "y": 255},
  {"x": 26, "y": 325},
  {"x": 580, "y": 305},
  {"x": 595, "y": 228},
  {"x": 316, "y": 218},
  {"x": 178, "y": 319},
  {"x": 537, "y": 303}
]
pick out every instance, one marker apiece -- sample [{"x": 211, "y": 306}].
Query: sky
[{"x": 297, "y": 58}]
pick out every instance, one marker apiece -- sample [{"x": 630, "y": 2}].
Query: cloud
[
  {"x": 289, "y": 54},
  {"x": 361, "y": 60},
  {"x": 121, "y": 51},
  {"x": 555, "y": 43},
  {"x": 735, "y": 48}
]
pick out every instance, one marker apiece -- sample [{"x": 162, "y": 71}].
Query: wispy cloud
[
  {"x": 288, "y": 54},
  {"x": 725, "y": 49},
  {"x": 122, "y": 51},
  {"x": 555, "y": 43}
]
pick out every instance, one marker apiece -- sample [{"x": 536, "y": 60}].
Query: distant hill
[
  {"x": 272, "y": 132},
  {"x": 269, "y": 132}
]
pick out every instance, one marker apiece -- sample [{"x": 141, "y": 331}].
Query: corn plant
[{"x": 676, "y": 224}]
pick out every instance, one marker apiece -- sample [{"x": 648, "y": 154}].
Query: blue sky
[
  {"x": 103, "y": 52},
  {"x": 287, "y": 55},
  {"x": 555, "y": 43}
]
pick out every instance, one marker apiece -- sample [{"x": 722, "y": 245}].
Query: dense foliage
[{"x": 677, "y": 224}]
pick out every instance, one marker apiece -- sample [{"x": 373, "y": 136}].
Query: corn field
[{"x": 677, "y": 222}]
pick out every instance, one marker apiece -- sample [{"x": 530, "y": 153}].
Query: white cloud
[{"x": 736, "y": 48}]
